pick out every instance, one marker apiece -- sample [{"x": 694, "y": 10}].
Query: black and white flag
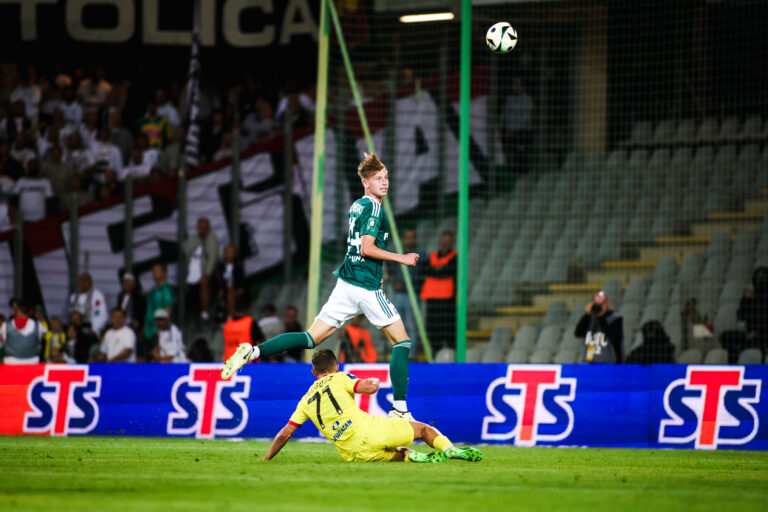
[{"x": 192, "y": 142}]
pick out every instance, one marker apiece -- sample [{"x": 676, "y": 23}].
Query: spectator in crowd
[
  {"x": 120, "y": 136},
  {"x": 119, "y": 344},
  {"x": 39, "y": 315},
  {"x": 111, "y": 186},
  {"x": 24, "y": 336},
  {"x": 166, "y": 109},
  {"x": 297, "y": 105},
  {"x": 89, "y": 130},
  {"x": 136, "y": 167},
  {"x": 159, "y": 297},
  {"x": 603, "y": 332},
  {"x": 8, "y": 214},
  {"x": 76, "y": 154},
  {"x": 155, "y": 127},
  {"x": 173, "y": 157},
  {"x": 28, "y": 92},
  {"x": 93, "y": 91},
  {"x": 439, "y": 293},
  {"x": 241, "y": 328},
  {"x": 518, "y": 131},
  {"x": 656, "y": 347},
  {"x": 753, "y": 310},
  {"x": 59, "y": 122},
  {"x": 132, "y": 303},
  {"x": 33, "y": 191},
  {"x": 89, "y": 302},
  {"x": 6, "y": 183},
  {"x": 291, "y": 324},
  {"x": 44, "y": 144},
  {"x": 76, "y": 196},
  {"x": 11, "y": 167},
  {"x": 200, "y": 352},
  {"x": 73, "y": 112},
  {"x": 168, "y": 344},
  {"x": 105, "y": 156},
  {"x": 260, "y": 124},
  {"x": 16, "y": 123},
  {"x": 356, "y": 344},
  {"x": 225, "y": 150},
  {"x": 400, "y": 298},
  {"x": 150, "y": 156},
  {"x": 57, "y": 172},
  {"x": 269, "y": 323},
  {"x": 230, "y": 278},
  {"x": 21, "y": 152},
  {"x": 55, "y": 341},
  {"x": 3, "y": 331},
  {"x": 211, "y": 135},
  {"x": 202, "y": 252},
  {"x": 80, "y": 339}
]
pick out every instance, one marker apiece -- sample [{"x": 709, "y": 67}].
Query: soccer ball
[{"x": 501, "y": 37}]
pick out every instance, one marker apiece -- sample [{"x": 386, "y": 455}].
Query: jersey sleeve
[
  {"x": 370, "y": 219},
  {"x": 350, "y": 383},
  {"x": 299, "y": 416}
]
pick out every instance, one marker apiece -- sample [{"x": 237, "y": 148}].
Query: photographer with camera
[{"x": 603, "y": 332}]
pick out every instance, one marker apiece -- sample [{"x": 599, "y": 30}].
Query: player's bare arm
[
  {"x": 368, "y": 386},
  {"x": 369, "y": 250},
  {"x": 281, "y": 438}
]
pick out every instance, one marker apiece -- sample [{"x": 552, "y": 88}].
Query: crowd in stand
[{"x": 68, "y": 138}]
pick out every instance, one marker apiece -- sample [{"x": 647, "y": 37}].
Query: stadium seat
[
  {"x": 745, "y": 245},
  {"x": 751, "y": 129},
  {"x": 557, "y": 314},
  {"x": 653, "y": 312},
  {"x": 566, "y": 357},
  {"x": 525, "y": 339},
  {"x": 636, "y": 291},
  {"x": 665, "y": 270},
  {"x": 557, "y": 270},
  {"x": 726, "y": 319},
  {"x": 659, "y": 293},
  {"x": 685, "y": 131},
  {"x": 708, "y": 294},
  {"x": 570, "y": 342},
  {"x": 729, "y": 129},
  {"x": 690, "y": 356},
  {"x": 750, "y": 356},
  {"x": 541, "y": 356},
  {"x": 501, "y": 338},
  {"x": 475, "y": 354},
  {"x": 445, "y": 355},
  {"x": 642, "y": 134},
  {"x": 716, "y": 356},
  {"x": 691, "y": 268},
  {"x": 631, "y": 314},
  {"x": 577, "y": 311},
  {"x": 614, "y": 291},
  {"x": 493, "y": 355},
  {"x": 762, "y": 246},
  {"x": 707, "y": 130},
  {"x": 719, "y": 246},
  {"x": 664, "y": 132},
  {"x": 732, "y": 292},
  {"x": 549, "y": 338},
  {"x": 517, "y": 357},
  {"x": 740, "y": 268},
  {"x": 715, "y": 267}
]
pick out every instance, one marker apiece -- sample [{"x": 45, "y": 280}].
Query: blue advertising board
[{"x": 670, "y": 406}]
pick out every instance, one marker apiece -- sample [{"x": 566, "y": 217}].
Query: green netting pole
[
  {"x": 387, "y": 208},
  {"x": 318, "y": 167},
  {"x": 463, "y": 217}
]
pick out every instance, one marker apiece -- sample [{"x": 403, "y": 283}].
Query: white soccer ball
[{"x": 501, "y": 37}]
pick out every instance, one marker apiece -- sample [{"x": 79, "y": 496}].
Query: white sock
[
  {"x": 400, "y": 405},
  {"x": 254, "y": 354}
]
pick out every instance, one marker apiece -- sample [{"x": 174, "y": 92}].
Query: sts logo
[
  {"x": 208, "y": 406},
  {"x": 380, "y": 402},
  {"x": 711, "y": 406},
  {"x": 531, "y": 404},
  {"x": 63, "y": 401}
]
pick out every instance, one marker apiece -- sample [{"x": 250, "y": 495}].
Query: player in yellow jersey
[{"x": 358, "y": 436}]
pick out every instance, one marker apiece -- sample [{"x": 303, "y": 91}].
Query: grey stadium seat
[
  {"x": 636, "y": 291},
  {"x": 659, "y": 292},
  {"x": 445, "y": 355},
  {"x": 750, "y": 356},
  {"x": 475, "y": 354},
  {"x": 726, "y": 319},
  {"x": 541, "y": 356},
  {"x": 719, "y": 246},
  {"x": 614, "y": 291},
  {"x": 525, "y": 339},
  {"x": 716, "y": 356},
  {"x": 732, "y": 291},
  {"x": 690, "y": 356},
  {"x": 566, "y": 357},
  {"x": 501, "y": 338},
  {"x": 517, "y": 356},
  {"x": 493, "y": 355},
  {"x": 557, "y": 314},
  {"x": 691, "y": 268},
  {"x": 745, "y": 245},
  {"x": 666, "y": 269},
  {"x": 653, "y": 312},
  {"x": 549, "y": 338}
]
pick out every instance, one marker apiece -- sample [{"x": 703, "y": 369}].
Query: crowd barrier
[{"x": 670, "y": 406}]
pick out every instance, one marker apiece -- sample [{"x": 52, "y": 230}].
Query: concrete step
[
  {"x": 513, "y": 317},
  {"x": 678, "y": 246},
  {"x": 733, "y": 227},
  {"x": 624, "y": 270},
  {"x": 757, "y": 205}
]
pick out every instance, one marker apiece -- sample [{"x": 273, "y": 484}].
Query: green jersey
[{"x": 365, "y": 218}]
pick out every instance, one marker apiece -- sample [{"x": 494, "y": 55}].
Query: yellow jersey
[{"x": 330, "y": 405}]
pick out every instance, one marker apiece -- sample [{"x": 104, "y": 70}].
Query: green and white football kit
[{"x": 359, "y": 288}]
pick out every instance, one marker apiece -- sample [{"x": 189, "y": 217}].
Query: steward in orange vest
[
  {"x": 439, "y": 294},
  {"x": 361, "y": 345},
  {"x": 241, "y": 328}
]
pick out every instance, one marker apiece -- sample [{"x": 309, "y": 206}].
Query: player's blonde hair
[{"x": 369, "y": 166}]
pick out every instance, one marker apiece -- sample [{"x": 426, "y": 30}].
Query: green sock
[
  {"x": 285, "y": 342},
  {"x": 398, "y": 369}
]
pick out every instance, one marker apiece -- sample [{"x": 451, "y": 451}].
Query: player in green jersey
[{"x": 358, "y": 289}]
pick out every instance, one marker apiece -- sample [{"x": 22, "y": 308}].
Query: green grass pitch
[{"x": 126, "y": 474}]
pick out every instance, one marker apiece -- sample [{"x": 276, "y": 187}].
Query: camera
[{"x": 596, "y": 309}]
